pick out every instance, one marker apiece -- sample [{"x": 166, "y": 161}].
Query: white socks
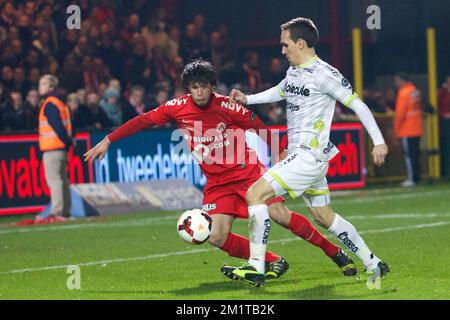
[
  {"x": 259, "y": 228},
  {"x": 348, "y": 235}
]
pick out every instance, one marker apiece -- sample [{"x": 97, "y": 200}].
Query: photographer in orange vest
[
  {"x": 55, "y": 139},
  {"x": 408, "y": 125}
]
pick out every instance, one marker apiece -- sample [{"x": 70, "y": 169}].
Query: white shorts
[{"x": 300, "y": 174}]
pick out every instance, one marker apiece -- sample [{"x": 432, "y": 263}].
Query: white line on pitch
[
  {"x": 172, "y": 218},
  {"x": 163, "y": 220},
  {"x": 179, "y": 253}
]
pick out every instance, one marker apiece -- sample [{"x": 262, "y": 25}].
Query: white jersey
[{"x": 311, "y": 91}]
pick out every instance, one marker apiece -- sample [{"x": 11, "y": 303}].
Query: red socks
[
  {"x": 239, "y": 247},
  {"x": 303, "y": 228}
]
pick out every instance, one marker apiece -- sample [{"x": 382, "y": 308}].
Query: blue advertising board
[{"x": 146, "y": 156}]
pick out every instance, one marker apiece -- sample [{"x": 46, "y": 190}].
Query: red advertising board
[
  {"x": 22, "y": 175},
  {"x": 22, "y": 178},
  {"x": 347, "y": 170}
]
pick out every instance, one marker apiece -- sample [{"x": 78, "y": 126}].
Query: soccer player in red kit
[{"x": 214, "y": 130}]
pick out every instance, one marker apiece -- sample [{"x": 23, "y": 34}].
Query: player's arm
[
  {"x": 158, "y": 116},
  {"x": 339, "y": 88},
  {"x": 250, "y": 121},
  {"x": 380, "y": 149},
  {"x": 273, "y": 94}
]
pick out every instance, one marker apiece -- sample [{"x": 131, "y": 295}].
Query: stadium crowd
[{"x": 125, "y": 59}]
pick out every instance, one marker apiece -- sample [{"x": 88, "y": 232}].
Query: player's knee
[
  {"x": 280, "y": 214},
  {"x": 252, "y": 196},
  {"x": 321, "y": 215},
  {"x": 218, "y": 238}
]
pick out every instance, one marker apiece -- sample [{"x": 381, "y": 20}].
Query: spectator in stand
[
  {"x": 90, "y": 80},
  {"x": 33, "y": 77},
  {"x": 42, "y": 44},
  {"x": 102, "y": 87},
  {"x": 135, "y": 105},
  {"x": 251, "y": 67},
  {"x": 14, "y": 115},
  {"x": 25, "y": 31},
  {"x": 100, "y": 70},
  {"x": 82, "y": 96},
  {"x": 33, "y": 59},
  {"x": 17, "y": 51},
  {"x": 7, "y": 14},
  {"x": 4, "y": 97},
  {"x": 111, "y": 106},
  {"x": 224, "y": 31},
  {"x": 98, "y": 119},
  {"x": 7, "y": 56},
  {"x": 72, "y": 74},
  {"x": 94, "y": 40},
  {"x": 32, "y": 110},
  {"x": 217, "y": 52},
  {"x": 190, "y": 46},
  {"x": 103, "y": 11},
  {"x": 30, "y": 9},
  {"x": 276, "y": 72},
  {"x": 7, "y": 77},
  {"x": 115, "y": 84},
  {"x": 80, "y": 113},
  {"x": 19, "y": 79},
  {"x": 132, "y": 26},
  {"x": 52, "y": 66},
  {"x": 67, "y": 43},
  {"x": 136, "y": 69},
  {"x": 44, "y": 21},
  {"x": 229, "y": 63},
  {"x": 159, "y": 65},
  {"x": 159, "y": 97},
  {"x": 112, "y": 52},
  {"x": 172, "y": 43},
  {"x": 179, "y": 92},
  {"x": 200, "y": 34},
  {"x": 408, "y": 125},
  {"x": 80, "y": 50}
]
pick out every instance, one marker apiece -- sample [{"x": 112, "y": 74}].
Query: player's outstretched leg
[
  {"x": 303, "y": 228},
  {"x": 347, "y": 234},
  {"x": 239, "y": 247},
  {"x": 259, "y": 229}
]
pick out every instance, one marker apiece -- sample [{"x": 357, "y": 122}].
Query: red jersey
[{"x": 215, "y": 135}]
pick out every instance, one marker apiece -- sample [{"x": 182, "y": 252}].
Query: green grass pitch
[{"x": 140, "y": 256}]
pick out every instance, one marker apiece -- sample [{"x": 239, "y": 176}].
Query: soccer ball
[{"x": 194, "y": 226}]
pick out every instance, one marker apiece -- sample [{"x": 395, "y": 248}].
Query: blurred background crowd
[{"x": 126, "y": 59}]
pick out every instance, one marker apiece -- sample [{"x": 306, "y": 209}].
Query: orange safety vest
[
  {"x": 48, "y": 139},
  {"x": 408, "y": 112}
]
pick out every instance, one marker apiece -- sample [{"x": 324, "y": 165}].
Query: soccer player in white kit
[{"x": 311, "y": 88}]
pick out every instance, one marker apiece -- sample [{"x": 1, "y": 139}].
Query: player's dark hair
[
  {"x": 199, "y": 71},
  {"x": 302, "y": 28}
]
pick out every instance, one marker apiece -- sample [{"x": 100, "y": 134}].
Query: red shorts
[{"x": 230, "y": 198}]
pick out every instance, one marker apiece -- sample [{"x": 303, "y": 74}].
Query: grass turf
[{"x": 140, "y": 256}]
